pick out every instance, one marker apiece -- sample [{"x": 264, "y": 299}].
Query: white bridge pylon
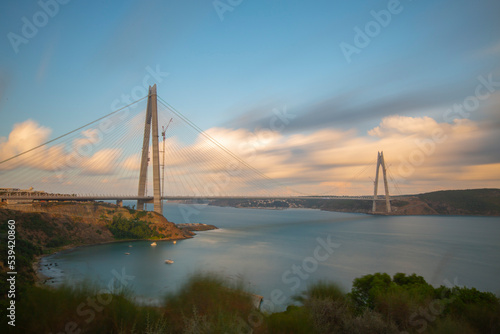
[
  {"x": 381, "y": 162},
  {"x": 150, "y": 129}
]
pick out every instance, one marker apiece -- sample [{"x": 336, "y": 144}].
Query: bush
[
  {"x": 364, "y": 289},
  {"x": 140, "y": 214},
  {"x": 123, "y": 228},
  {"x": 208, "y": 304},
  {"x": 294, "y": 320},
  {"x": 403, "y": 300},
  {"x": 56, "y": 308},
  {"x": 328, "y": 310}
]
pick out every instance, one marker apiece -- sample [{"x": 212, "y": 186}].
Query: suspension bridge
[{"x": 122, "y": 148}]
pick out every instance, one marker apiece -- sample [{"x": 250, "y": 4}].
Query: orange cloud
[
  {"x": 24, "y": 136},
  {"x": 421, "y": 153}
]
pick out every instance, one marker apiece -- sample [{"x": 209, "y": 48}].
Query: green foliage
[
  {"x": 123, "y": 228},
  {"x": 480, "y": 309},
  {"x": 323, "y": 290},
  {"x": 25, "y": 254},
  {"x": 131, "y": 209},
  {"x": 294, "y": 320},
  {"x": 68, "y": 226},
  {"x": 471, "y": 201},
  {"x": 448, "y": 325},
  {"x": 140, "y": 214},
  {"x": 208, "y": 303},
  {"x": 86, "y": 307},
  {"x": 328, "y": 310},
  {"x": 35, "y": 222},
  {"x": 403, "y": 300},
  {"x": 347, "y": 204},
  {"x": 399, "y": 203},
  {"x": 364, "y": 289},
  {"x": 57, "y": 241},
  {"x": 413, "y": 279}
]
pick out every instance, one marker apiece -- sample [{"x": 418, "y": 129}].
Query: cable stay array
[{"x": 103, "y": 157}]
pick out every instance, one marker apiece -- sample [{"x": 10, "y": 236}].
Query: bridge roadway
[{"x": 149, "y": 199}]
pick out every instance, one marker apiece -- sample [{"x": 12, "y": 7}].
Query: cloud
[
  {"x": 102, "y": 162},
  {"x": 360, "y": 104},
  {"x": 336, "y": 161},
  {"x": 133, "y": 162},
  {"x": 89, "y": 138},
  {"x": 422, "y": 154},
  {"x": 56, "y": 156},
  {"x": 404, "y": 125},
  {"x": 24, "y": 136},
  {"x": 487, "y": 172}
]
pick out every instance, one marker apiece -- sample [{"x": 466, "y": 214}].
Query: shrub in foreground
[{"x": 208, "y": 303}]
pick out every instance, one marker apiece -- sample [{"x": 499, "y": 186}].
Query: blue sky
[{"x": 230, "y": 73}]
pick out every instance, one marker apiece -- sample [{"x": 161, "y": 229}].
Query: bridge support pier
[
  {"x": 119, "y": 202},
  {"x": 381, "y": 162},
  {"x": 150, "y": 129}
]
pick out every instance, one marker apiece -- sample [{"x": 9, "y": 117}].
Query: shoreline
[
  {"x": 41, "y": 279},
  {"x": 394, "y": 214}
]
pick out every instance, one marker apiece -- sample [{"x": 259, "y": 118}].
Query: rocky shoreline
[
  {"x": 196, "y": 227},
  {"x": 48, "y": 228}
]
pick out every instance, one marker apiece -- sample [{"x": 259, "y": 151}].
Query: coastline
[
  {"x": 484, "y": 202},
  {"x": 41, "y": 278}
]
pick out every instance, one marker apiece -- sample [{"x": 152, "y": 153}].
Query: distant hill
[
  {"x": 481, "y": 202},
  {"x": 484, "y": 202}
]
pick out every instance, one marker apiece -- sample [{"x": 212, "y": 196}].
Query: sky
[{"x": 315, "y": 88}]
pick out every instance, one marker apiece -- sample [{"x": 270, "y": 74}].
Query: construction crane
[{"x": 163, "y": 131}]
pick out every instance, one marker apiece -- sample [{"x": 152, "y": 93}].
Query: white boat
[
  {"x": 130, "y": 246},
  {"x": 168, "y": 261},
  {"x": 127, "y": 253},
  {"x": 153, "y": 244}
]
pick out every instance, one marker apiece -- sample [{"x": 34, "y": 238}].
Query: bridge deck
[{"x": 173, "y": 198}]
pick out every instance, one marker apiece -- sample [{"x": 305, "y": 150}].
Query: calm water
[{"x": 279, "y": 249}]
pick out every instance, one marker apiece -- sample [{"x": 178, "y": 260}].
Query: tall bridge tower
[
  {"x": 150, "y": 129},
  {"x": 381, "y": 162}
]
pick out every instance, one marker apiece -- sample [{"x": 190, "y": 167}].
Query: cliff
[{"x": 50, "y": 225}]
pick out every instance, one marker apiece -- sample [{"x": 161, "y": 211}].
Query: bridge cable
[
  {"x": 68, "y": 133},
  {"x": 213, "y": 140}
]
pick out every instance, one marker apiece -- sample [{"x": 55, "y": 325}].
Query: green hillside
[{"x": 465, "y": 202}]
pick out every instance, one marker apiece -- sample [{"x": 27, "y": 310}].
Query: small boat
[
  {"x": 168, "y": 261},
  {"x": 127, "y": 253},
  {"x": 175, "y": 242},
  {"x": 153, "y": 244},
  {"x": 130, "y": 246}
]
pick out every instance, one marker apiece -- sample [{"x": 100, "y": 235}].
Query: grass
[
  {"x": 208, "y": 303},
  {"x": 86, "y": 308}
]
